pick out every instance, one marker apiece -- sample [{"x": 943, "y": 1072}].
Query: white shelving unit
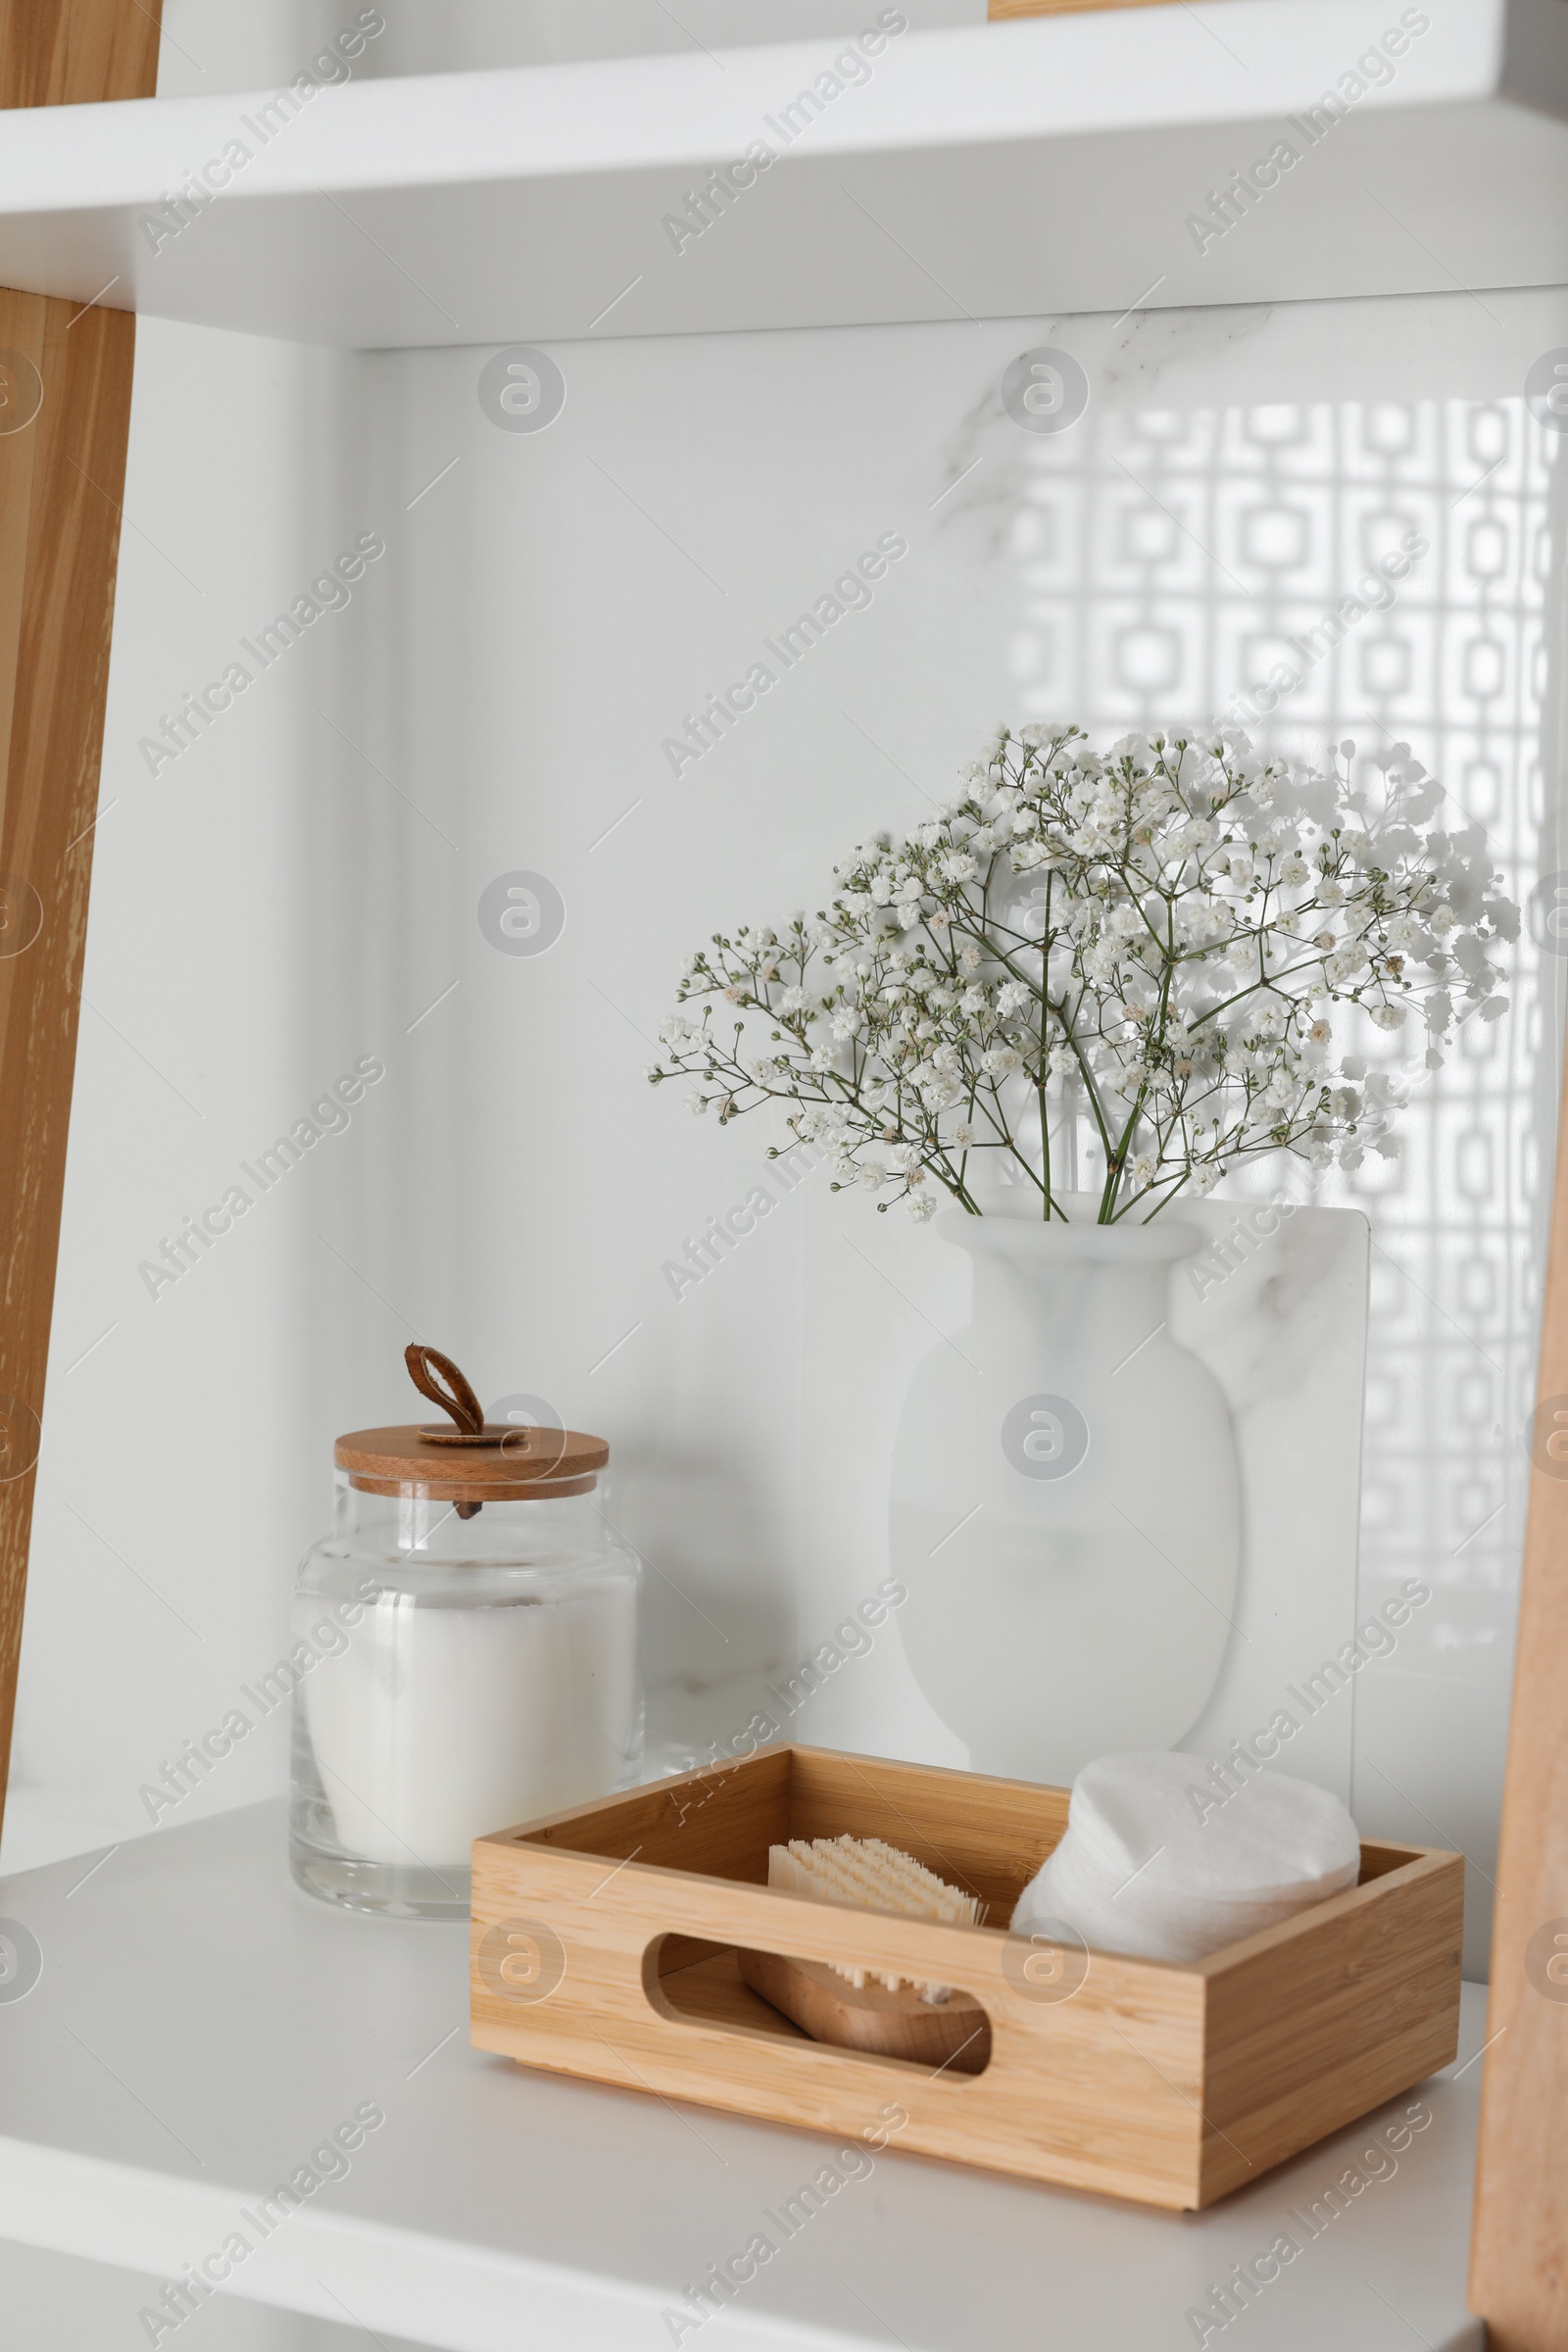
[
  {"x": 199, "y": 2027},
  {"x": 993, "y": 170}
]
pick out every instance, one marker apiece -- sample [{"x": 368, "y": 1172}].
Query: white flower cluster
[{"x": 1148, "y": 942}]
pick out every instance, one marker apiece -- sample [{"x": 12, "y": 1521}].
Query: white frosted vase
[{"x": 1065, "y": 1504}]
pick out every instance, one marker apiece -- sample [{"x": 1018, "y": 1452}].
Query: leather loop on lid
[
  {"x": 475, "y": 1461},
  {"x": 462, "y": 1402}
]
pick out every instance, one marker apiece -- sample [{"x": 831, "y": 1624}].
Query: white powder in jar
[{"x": 444, "y": 1720}]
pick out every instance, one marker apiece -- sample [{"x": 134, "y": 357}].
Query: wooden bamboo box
[{"x": 604, "y": 1944}]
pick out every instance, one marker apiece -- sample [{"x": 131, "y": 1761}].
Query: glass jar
[{"x": 465, "y": 1646}]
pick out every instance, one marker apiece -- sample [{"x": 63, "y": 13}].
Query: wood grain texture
[
  {"x": 512, "y": 1465},
  {"x": 999, "y": 11},
  {"x": 62, "y": 476},
  {"x": 1519, "y": 2254},
  {"x": 714, "y": 1989},
  {"x": 987, "y": 1837},
  {"x": 77, "y": 52},
  {"x": 1126, "y": 2086},
  {"x": 1369, "y": 1983}
]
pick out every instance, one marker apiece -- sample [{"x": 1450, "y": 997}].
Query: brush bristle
[{"x": 870, "y": 1876}]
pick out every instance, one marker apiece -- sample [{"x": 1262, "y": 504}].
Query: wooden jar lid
[{"x": 502, "y": 1462}]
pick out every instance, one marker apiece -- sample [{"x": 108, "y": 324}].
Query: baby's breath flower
[{"x": 1163, "y": 978}]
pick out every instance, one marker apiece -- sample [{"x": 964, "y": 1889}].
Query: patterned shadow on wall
[{"x": 1170, "y": 559}]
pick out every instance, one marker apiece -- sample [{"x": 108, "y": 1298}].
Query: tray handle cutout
[{"x": 743, "y": 1990}]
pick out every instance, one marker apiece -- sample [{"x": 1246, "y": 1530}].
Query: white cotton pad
[{"x": 1158, "y": 1861}]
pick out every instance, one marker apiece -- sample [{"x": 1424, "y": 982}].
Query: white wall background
[{"x": 301, "y": 888}]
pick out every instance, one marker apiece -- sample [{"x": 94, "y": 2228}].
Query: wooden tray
[{"x": 604, "y": 1944}]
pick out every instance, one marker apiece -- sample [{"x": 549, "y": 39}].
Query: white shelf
[
  {"x": 996, "y": 171},
  {"x": 199, "y": 2027}
]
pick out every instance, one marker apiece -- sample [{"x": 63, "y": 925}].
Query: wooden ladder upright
[{"x": 65, "y": 415}]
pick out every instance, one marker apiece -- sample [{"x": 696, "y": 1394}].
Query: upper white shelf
[
  {"x": 200, "y": 2033},
  {"x": 995, "y": 170}
]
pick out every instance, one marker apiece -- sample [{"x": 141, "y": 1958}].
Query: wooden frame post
[
  {"x": 1519, "y": 2255},
  {"x": 65, "y": 414}
]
